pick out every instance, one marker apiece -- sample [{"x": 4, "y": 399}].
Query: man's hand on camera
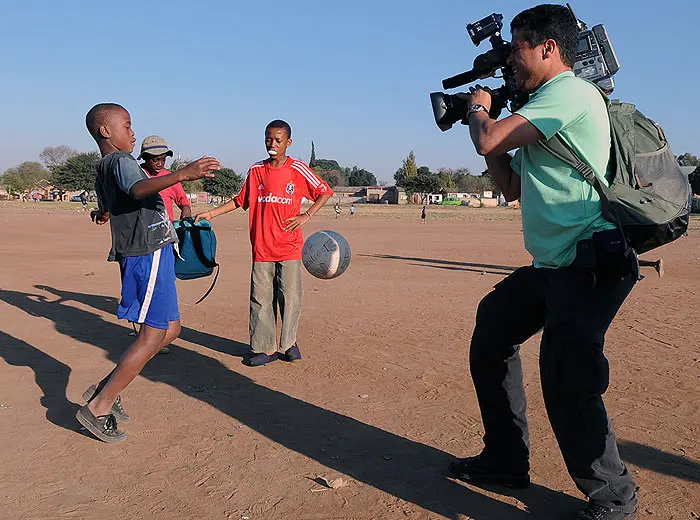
[
  {"x": 479, "y": 95},
  {"x": 99, "y": 216}
]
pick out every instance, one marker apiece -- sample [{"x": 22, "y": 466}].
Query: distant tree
[
  {"x": 13, "y": 182},
  {"x": 326, "y": 165},
  {"x": 408, "y": 170},
  {"x": 361, "y": 177},
  {"x": 24, "y": 176},
  {"x": 459, "y": 178},
  {"x": 188, "y": 186},
  {"x": 688, "y": 159},
  {"x": 226, "y": 183},
  {"x": 423, "y": 184},
  {"x": 694, "y": 179},
  {"x": 332, "y": 177},
  {"x": 312, "y": 161},
  {"x": 448, "y": 180},
  {"x": 331, "y": 172},
  {"x": 77, "y": 173},
  {"x": 53, "y": 156}
]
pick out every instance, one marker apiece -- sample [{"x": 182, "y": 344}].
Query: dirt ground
[{"x": 382, "y": 398}]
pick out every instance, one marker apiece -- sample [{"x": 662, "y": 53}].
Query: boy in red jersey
[{"x": 273, "y": 191}]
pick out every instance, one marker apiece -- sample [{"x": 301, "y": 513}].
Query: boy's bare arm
[
  {"x": 301, "y": 219},
  {"x": 219, "y": 210},
  {"x": 196, "y": 170}
]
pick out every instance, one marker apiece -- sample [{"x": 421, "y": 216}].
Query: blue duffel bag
[{"x": 197, "y": 251}]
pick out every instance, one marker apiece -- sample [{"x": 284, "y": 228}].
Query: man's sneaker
[
  {"x": 291, "y": 354},
  {"x": 117, "y": 408},
  {"x": 103, "y": 427},
  {"x": 595, "y": 511},
  {"x": 259, "y": 360},
  {"x": 480, "y": 471}
]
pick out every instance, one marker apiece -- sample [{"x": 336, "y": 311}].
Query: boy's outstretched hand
[
  {"x": 199, "y": 169},
  {"x": 202, "y": 216},
  {"x": 99, "y": 217}
]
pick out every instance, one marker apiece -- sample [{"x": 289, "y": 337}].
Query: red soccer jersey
[
  {"x": 175, "y": 193},
  {"x": 274, "y": 195}
]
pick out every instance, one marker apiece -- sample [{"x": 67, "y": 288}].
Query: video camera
[{"x": 595, "y": 61}]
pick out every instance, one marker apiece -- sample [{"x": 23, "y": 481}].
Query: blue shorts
[{"x": 148, "y": 289}]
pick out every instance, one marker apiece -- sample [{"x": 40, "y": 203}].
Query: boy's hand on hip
[
  {"x": 294, "y": 223},
  {"x": 199, "y": 169}
]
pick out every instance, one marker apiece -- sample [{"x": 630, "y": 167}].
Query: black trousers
[{"x": 575, "y": 310}]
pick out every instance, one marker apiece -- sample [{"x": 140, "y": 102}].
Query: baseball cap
[{"x": 154, "y": 145}]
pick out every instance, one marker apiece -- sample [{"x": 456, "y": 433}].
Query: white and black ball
[{"x": 326, "y": 254}]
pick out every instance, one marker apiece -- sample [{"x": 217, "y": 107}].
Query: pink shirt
[{"x": 175, "y": 193}]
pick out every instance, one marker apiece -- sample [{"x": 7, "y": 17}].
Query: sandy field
[{"x": 382, "y": 399}]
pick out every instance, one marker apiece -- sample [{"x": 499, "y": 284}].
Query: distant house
[
  {"x": 42, "y": 190},
  {"x": 4, "y": 194},
  {"x": 386, "y": 195},
  {"x": 350, "y": 194}
]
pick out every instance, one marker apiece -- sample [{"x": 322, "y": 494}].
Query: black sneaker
[
  {"x": 117, "y": 408},
  {"x": 103, "y": 427},
  {"x": 595, "y": 511},
  {"x": 480, "y": 471},
  {"x": 291, "y": 354},
  {"x": 259, "y": 360}
]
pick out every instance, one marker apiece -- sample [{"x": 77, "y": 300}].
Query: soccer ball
[{"x": 326, "y": 254}]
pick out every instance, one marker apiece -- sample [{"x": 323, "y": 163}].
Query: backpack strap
[
  {"x": 216, "y": 277},
  {"x": 562, "y": 151},
  {"x": 196, "y": 234}
]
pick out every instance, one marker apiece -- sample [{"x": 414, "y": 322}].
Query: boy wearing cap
[
  {"x": 154, "y": 152},
  {"x": 142, "y": 243},
  {"x": 273, "y": 191}
]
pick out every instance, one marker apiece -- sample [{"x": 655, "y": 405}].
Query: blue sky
[{"x": 354, "y": 77}]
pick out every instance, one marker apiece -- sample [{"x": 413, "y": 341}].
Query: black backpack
[{"x": 649, "y": 196}]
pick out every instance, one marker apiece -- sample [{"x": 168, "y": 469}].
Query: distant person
[
  {"x": 352, "y": 210},
  {"x": 423, "y": 214},
  {"x": 83, "y": 201},
  {"x": 272, "y": 192},
  {"x": 154, "y": 152},
  {"x": 337, "y": 209},
  {"x": 142, "y": 243}
]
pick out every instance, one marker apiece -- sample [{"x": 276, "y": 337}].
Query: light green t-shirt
[{"x": 559, "y": 207}]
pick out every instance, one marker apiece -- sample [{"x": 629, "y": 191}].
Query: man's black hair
[
  {"x": 99, "y": 116},
  {"x": 278, "y": 123},
  {"x": 549, "y": 22}
]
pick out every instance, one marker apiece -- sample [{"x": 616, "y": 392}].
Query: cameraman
[{"x": 565, "y": 291}]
